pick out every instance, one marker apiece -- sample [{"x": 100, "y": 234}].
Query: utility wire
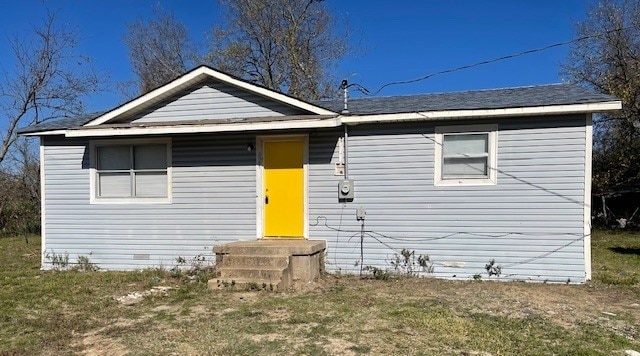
[{"x": 363, "y": 90}]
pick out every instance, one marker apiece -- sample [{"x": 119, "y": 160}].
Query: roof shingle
[
  {"x": 541, "y": 95},
  {"x": 59, "y": 124}
]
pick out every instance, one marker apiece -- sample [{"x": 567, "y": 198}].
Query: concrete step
[
  {"x": 262, "y": 273},
  {"x": 266, "y": 261},
  {"x": 242, "y": 284},
  {"x": 289, "y": 247},
  {"x": 266, "y": 264}
]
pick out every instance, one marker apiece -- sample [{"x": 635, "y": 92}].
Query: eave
[{"x": 328, "y": 121}]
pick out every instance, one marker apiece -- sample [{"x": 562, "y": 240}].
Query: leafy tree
[
  {"x": 159, "y": 49},
  {"x": 285, "y": 45},
  {"x": 608, "y": 61},
  {"x": 47, "y": 80}
]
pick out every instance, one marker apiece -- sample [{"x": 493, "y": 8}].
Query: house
[{"x": 491, "y": 183}]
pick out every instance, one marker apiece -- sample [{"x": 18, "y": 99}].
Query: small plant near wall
[
  {"x": 407, "y": 264},
  {"x": 83, "y": 264},
  {"x": 378, "y": 273},
  {"x": 424, "y": 261},
  {"x": 196, "y": 269},
  {"x": 59, "y": 261},
  {"x": 403, "y": 264},
  {"x": 493, "y": 269}
]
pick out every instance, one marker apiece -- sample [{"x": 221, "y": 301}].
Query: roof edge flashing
[{"x": 355, "y": 119}]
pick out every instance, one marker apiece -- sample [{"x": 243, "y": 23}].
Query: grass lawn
[{"x": 76, "y": 312}]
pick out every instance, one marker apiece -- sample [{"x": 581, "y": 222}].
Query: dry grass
[{"x": 75, "y": 312}]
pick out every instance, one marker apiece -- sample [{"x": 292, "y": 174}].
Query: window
[
  {"x": 466, "y": 155},
  {"x": 131, "y": 171}
]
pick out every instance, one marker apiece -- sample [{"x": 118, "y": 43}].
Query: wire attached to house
[{"x": 378, "y": 236}]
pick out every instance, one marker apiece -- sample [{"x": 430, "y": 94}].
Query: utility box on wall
[{"x": 345, "y": 190}]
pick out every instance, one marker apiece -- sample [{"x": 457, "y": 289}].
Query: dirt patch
[
  {"x": 339, "y": 347},
  {"x": 136, "y": 297},
  {"x": 98, "y": 342}
]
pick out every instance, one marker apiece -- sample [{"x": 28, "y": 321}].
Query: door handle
[{"x": 266, "y": 199}]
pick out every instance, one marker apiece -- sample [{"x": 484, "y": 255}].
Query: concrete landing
[{"x": 272, "y": 264}]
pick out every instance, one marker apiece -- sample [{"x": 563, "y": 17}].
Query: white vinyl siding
[
  {"x": 137, "y": 171},
  {"x": 530, "y": 223},
  {"x": 213, "y": 201},
  {"x": 213, "y": 100},
  {"x": 466, "y": 155}
]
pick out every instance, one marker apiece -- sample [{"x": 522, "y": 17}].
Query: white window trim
[
  {"x": 491, "y": 129},
  {"x": 93, "y": 174}
]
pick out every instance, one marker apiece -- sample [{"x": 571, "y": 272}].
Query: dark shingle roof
[
  {"x": 542, "y": 95},
  {"x": 59, "y": 124}
]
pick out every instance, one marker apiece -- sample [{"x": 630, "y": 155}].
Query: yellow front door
[{"x": 283, "y": 188}]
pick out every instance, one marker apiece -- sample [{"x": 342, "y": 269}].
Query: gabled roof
[
  {"x": 531, "y": 96},
  {"x": 194, "y": 76},
  {"x": 521, "y": 101}
]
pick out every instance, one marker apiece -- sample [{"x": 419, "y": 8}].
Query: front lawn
[{"x": 77, "y": 312}]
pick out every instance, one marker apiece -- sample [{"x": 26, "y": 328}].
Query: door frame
[{"x": 260, "y": 141}]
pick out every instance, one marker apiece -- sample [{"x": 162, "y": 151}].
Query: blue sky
[{"x": 392, "y": 40}]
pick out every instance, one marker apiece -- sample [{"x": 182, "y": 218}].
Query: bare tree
[
  {"x": 158, "y": 49},
  {"x": 48, "y": 80},
  {"x": 609, "y": 62},
  {"x": 20, "y": 191},
  {"x": 286, "y": 45}
]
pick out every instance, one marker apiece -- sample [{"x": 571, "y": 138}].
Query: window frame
[
  {"x": 492, "y": 155},
  {"x": 94, "y": 185}
]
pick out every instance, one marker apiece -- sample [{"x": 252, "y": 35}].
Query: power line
[
  {"x": 364, "y": 90},
  {"x": 377, "y": 236}
]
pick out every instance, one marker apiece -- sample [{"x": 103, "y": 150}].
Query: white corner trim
[
  {"x": 43, "y": 210},
  {"x": 259, "y": 188},
  {"x": 491, "y": 129},
  {"x": 483, "y": 113},
  {"x": 205, "y": 128},
  {"x": 197, "y": 74},
  {"x": 588, "y": 156},
  {"x": 93, "y": 199}
]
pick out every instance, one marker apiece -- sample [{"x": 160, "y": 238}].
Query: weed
[
  {"x": 378, "y": 273},
  {"x": 493, "y": 269},
  {"x": 83, "y": 264},
  {"x": 407, "y": 264},
  {"x": 196, "y": 269},
  {"x": 59, "y": 261},
  {"x": 477, "y": 277}
]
